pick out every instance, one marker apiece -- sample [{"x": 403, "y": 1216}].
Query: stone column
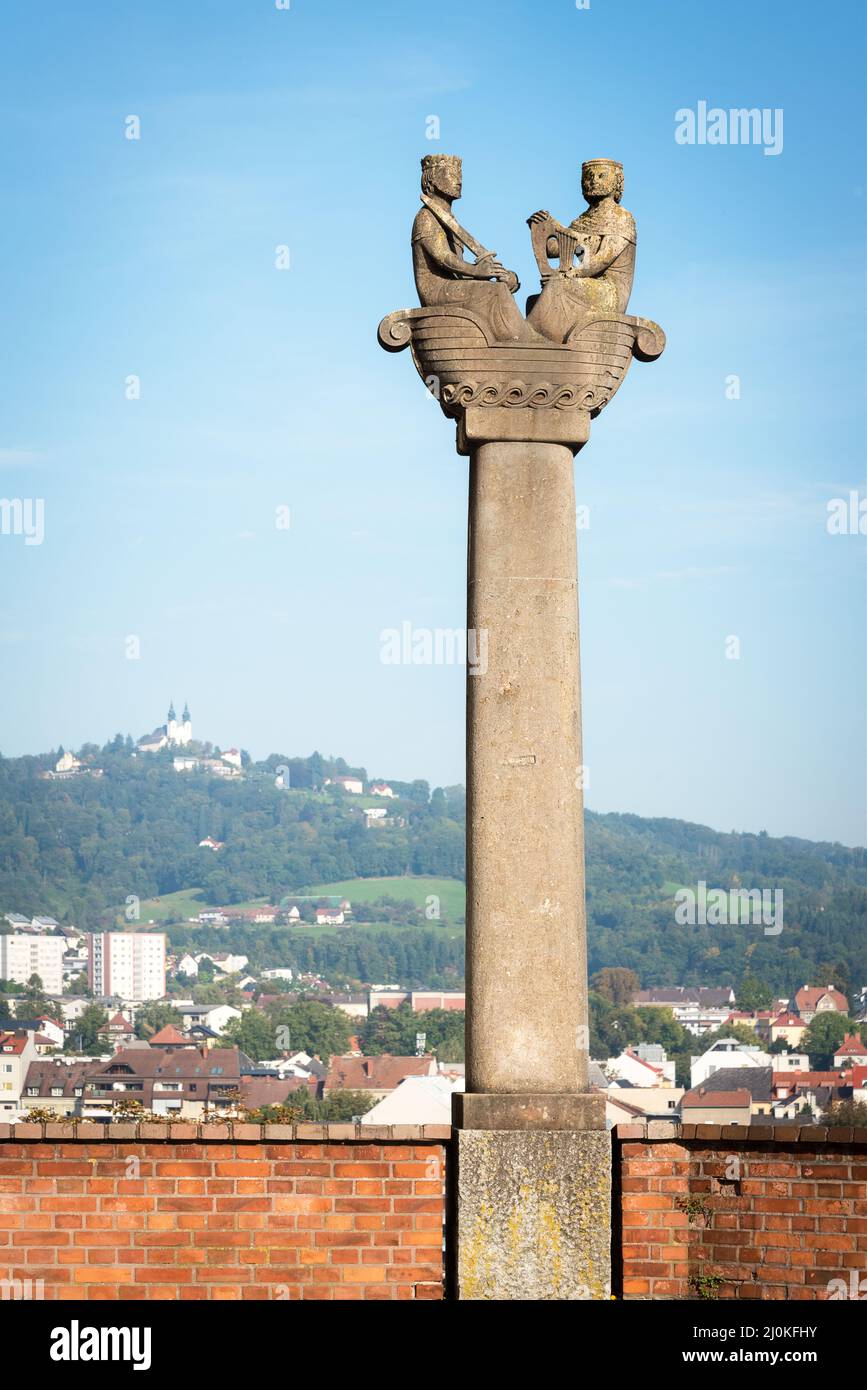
[
  {"x": 531, "y": 1188},
  {"x": 526, "y": 960}
]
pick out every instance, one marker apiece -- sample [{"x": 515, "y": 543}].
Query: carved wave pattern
[{"x": 540, "y": 395}]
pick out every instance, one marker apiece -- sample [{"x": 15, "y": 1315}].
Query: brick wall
[
  {"x": 222, "y": 1212},
  {"x": 771, "y": 1212}
]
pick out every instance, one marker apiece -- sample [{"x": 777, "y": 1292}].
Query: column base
[
  {"x": 533, "y": 1215},
  {"x": 571, "y": 1110}
]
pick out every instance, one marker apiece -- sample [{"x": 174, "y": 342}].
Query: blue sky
[{"x": 262, "y": 388}]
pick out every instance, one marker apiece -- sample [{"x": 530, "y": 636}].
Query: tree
[
  {"x": 254, "y": 1033},
  {"x": 823, "y": 1037},
  {"x": 36, "y": 1002},
  {"x": 85, "y": 1034},
  {"x": 616, "y": 984},
  {"x": 154, "y": 1016},
  {"x": 846, "y": 1112},
  {"x": 753, "y": 993},
  {"x": 309, "y": 1026}
]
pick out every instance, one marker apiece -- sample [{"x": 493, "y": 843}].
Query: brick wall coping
[
  {"x": 233, "y": 1130},
  {"x": 779, "y": 1133}
]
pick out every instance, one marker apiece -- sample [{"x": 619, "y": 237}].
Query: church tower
[
  {"x": 186, "y": 730},
  {"x": 172, "y": 724}
]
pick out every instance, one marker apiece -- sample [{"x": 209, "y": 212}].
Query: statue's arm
[
  {"x": 433, "y": 239},
  {"x": 597, "y": 262}
]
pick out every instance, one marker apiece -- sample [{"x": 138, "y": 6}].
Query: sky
[{"x": 175, "y": 387}]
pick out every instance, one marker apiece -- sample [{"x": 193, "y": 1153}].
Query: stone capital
[{"x": 532, "y": 391}]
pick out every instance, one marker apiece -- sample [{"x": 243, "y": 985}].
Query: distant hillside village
[
  {"x": 176, "y": 736},
  {"x": 113, "y": 1024}
]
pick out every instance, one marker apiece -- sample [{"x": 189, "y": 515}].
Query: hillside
[{"x": 79, "y": 848}]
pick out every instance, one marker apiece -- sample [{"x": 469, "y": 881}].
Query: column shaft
[{"x": 526, "y": 934}]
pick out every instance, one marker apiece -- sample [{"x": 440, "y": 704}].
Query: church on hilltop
[{"x": 175, "y": 733}]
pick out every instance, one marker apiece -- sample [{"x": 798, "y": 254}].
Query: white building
[
  {"x": 349, "y": 784},
  {"x": 646, "y": 1072},
  {"x": 175, "y": 733},
  {"x": 213, "y": 1016},
  {"x": 127, "y": 965},
  {"x": 22, "y": 956},
  {"x": 418, "y": 1100},
  {"x": 726, "y": 1052},
  {"x": 17, "y": 1051}
]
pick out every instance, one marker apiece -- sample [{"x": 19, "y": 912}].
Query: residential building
[
  {"x": 17, "y": 1054},
  {"x": 376, "y": 1076},
  {"x": 213, "y": 1016},
  {"x": 380, "y": 789},
  {"x": 814, "y": 999},
  {"x": 127, "y": 965},
  {"x": 725, "y": 1053},
  {"x": 57, "y": 1084},
  {"x": 24, "y": 956},
  {"x": 788, "y": 1026},
  {"x": 632, "y": 1067},
  {"x": 757, "y": 1081},
  {"x": 187, "y": 1082},
  {"x": 851, "y": 1052},
  {"x": 421, "y": 1000},
  {"x": 708, "y": 1107},
  {"x": 648, "y": 1102},
  {"x": 329, "y": 917},
  {"x": 224, "y": 963},
  {"x": 417, "y": 1100},
  {"x": 16, "y": 920},
  {"x": 699, "y": 1010},
  {"x": 349, "y": 784},
  {"x": 117, "y": 1032}
]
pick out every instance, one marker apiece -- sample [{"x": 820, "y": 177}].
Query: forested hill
[{"x": 77, "y": 848}]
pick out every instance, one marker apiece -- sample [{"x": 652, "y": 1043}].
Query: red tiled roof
[
  {"x": 809, "y": 1078},
  {"x": 381, "y": 1073},
  {"x": 715, "y": 1100},
  {"x": 169, "y": 1034},
  {"x": 809, "y": 995}
]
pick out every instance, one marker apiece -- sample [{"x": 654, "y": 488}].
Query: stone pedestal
[{"x": 533, "y": 1214}]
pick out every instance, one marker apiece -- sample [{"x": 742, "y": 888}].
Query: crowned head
[
  {"x": 602, "y": 178},
  {"x": 441, "y": 173}
]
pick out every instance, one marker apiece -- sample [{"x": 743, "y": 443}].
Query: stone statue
[
  {"x": 603, "y": 239},
  {"x": 472, "y": 347},
  {"x": 442, "y": 276}
]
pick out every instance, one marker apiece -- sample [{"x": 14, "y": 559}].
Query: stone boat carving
[{"x": 463, "y": 365}]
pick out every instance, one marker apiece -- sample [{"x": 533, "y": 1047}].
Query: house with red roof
[
  {"x": 376, "y": 1076},
  {"x": 817, "y": 999},
  {"x": 788, "y": 1026},
  {"x": 851, "y": 1052}
]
